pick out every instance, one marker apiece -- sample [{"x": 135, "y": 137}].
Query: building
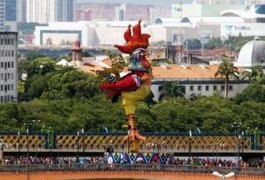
[
  {"x": 40, "y": 11},
  {"x": 21, "y": 10},
  {"x": 10, "y": 10},
  {"x": 158, "y": 12},
  {"x": 193, "y": 80},
  {"x": 8, "y": 15},
  {"x": 45, "y": 11},
  {"x": 202, "y": 10},
  {"x": 254, "y": 14},
  {"x": 64, "y": 10},
  {"x": 211, "y": 2},
  {"x": 120, "y": 12},
  {"x": 83, "y": 15},
  {"x": 2, "y": 15},
  {"x": 8, "y": 67},
  {"x": 252, "y": 54}
]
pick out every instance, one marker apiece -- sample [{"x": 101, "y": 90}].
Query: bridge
[
  {"x": 54, "y": 144},
  {"x": 123, "y": 171}
]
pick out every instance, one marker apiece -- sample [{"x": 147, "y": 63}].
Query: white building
[
  {"x": 252, "y": 54},
  {"x": 120, "y": 12},
  {"x": 2, "y": 15},
  {"x": 90, "y": 33},
  {"x": 21, "y": 10},
  {"x": 107, "y": 33},
  {"x": 45, "y": 11},
  {"x": 64, "y": 10},
  {"x": 40, "y": 11},
  {"x": 8, "y": 67},
  {"x": 158, "y": 12}
]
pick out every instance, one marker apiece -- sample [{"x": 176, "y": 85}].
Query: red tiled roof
[
  {"x": 181, "y": 71},
  {"x": 173, "y": 71}
]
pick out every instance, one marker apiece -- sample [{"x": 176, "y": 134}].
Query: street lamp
[
  {"x": 190, "y": 135},
  {"x": 18, "y": 141},
  {"x": 34, "y": 123},
  {"x": 27, "y": 154},
  {"x": 128, "y": 133},
  {"x": 236, "y": 127},
  {"x": 83, "y": 142},
  {"x": 77, "y": 158}
]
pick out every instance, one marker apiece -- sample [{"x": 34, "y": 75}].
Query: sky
[{"x": 162, "y": 3}]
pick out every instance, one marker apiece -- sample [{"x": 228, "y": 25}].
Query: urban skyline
[{"x": 162, "y": 3}]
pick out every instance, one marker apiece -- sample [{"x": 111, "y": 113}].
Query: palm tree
[
  {"x": 225, "y": 70},
  {"x": 256, "y": 74},
  {"x": 171, "y": 89}
]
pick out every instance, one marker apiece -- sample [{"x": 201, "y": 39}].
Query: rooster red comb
[{"x": 137, "y": 40}]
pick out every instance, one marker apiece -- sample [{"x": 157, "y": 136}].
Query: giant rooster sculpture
[{"x": 134, "y": 86}]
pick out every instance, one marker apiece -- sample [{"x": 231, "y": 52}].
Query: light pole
[
  {"x": 236, "y": 127},
  {"x": 35, "y": 123},
  {"x": 242, "y": 142},
  {"x": 18, "y": 141},
  {"x": 128, "y": 133},
  {"x": 83, "y": 140},
  {"x": 28, "y": 154},
  {"x": 77, "y": 155},
  {"x": 190, "y": 135}
]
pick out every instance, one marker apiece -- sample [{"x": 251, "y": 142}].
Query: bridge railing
[
  {"x": 130, "y": 167},
  {"x": 154, "y": 142}
]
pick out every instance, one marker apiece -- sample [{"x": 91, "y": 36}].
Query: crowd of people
[{"x": 177, "y": 161}]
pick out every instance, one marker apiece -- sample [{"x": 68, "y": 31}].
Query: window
[
  {"x": 214, "y": 87},
  {"x": 191, "y": 88},
  {"x": 199, "y": 88},
  {"x": 222, "y": 88},
  {"x": 206, "y": 88},
  {"x": 230, "y": 88}
]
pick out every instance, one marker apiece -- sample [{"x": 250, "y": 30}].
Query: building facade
[
  {"x": 45, "y": 11},
  {"x": 64, "y": 10},
  {"x": 21, "y": 10},
  {"x": 2, "y": 15},
  {"x": 40, "y": 11},
  {"x": 8, "y": 67},
  {"x": 120, "y": 12},
  {"x": 11, "y": 15},
  {"x": 202, "y": 10},
  {"x": 158, "y": 12}
]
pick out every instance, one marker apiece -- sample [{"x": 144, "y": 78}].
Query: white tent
[{"x": 63, "y": 62}]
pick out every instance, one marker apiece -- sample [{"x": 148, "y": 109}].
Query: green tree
[
  {"x": 254, "y": 92},
  {"x": 256, "y": 74},
  {"x": 225, "y": 71},
  {"x": 171, "y": 89},
  {"x": 214, "y": 43}
]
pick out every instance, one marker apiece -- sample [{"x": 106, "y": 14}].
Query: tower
[
  {"x": 2, "y": 15},
  {"x": 178, "y": 37},
  {"x": 77, "y": 54},
  {"x": 120, "y": 12},
  {"x": 8, "y": 67},
  {"x": 64, "y": 10}
]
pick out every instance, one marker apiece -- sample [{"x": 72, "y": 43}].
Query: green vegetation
[
  {"x": 225, "y": 71},
  {"x": 68, "y": 100},
  {"x": 234, "y": 43}
]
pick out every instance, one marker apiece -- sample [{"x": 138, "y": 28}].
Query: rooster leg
[{"x": 133, "y": 135}]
